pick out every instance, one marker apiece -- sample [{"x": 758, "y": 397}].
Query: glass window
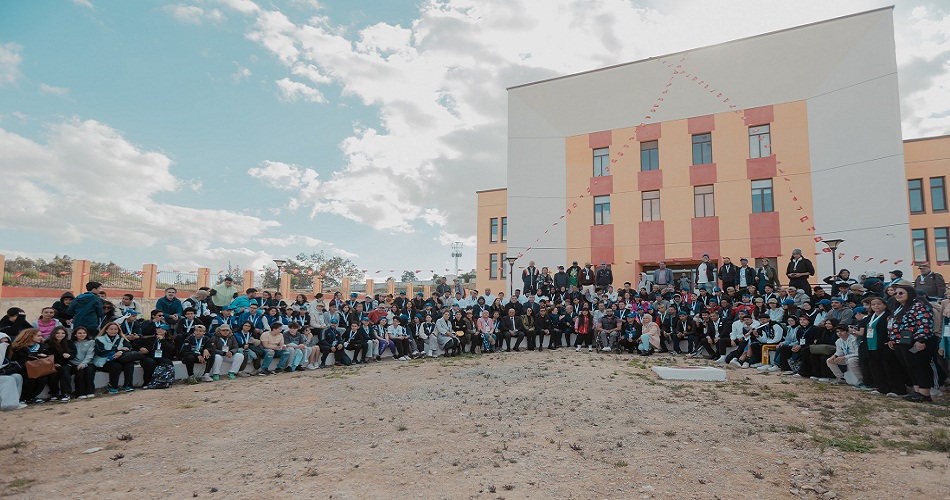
[
  {"x": 919, "y": 239},
  {"x": 601, "y": 162},
  {"x": 916, "y": 194},
  {"x": 649, "y": 156},
  {"x": 504, "y": 265},
  {"x": 942, "y": 244},
  {"x": 702, "y": 149},
  {"x": 760, "y": 141},
  {"x": 938, "y": 194},
  {"x": 493, "y": 238},
  {"x": 762, "y": 196},
  {"x": 493, "y": 266},
  {"x": 601, "y": 210},
  {"x": 704, "y": 201},
  {"x": 504, "y": 229},
  {"x": 651, "y": 206}
]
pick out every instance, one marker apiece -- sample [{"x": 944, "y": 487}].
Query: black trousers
[
  {"x": 403, "y": 347},
  {"x": 359, "y": 351},
  {"x": 124, "y": 366},
  {"x": 813, "y": 365},
  {"x": 722, "y": 347},
  {"x": 62, "y": 381},
  {"x": 629, "y": 345},
  {"x": 918, "y": 365},
  {"x": 555, "y": 340},
  {"x": 189, "y": 359},
  {"x": 583, "y": 340},
  {"x": 886, "y": 371},
  {"x": 85, "y": 380},
  {"x": 32, "y": 387},
  {"x": 532, "y": 339},
  {"x": 148, "y": 367},
  {"x": 786, "y": 353},
  {"x": 504, "y": 337}
]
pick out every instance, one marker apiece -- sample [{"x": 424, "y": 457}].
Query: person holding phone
[{"x": 910, "y": 333}]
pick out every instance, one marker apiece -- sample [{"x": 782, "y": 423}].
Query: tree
[
  {"x": 467, "y": 276},
  {"x": 408, "y": 277},
  {"x": 301, "y": 270}
]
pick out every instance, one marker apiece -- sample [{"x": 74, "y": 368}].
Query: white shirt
[{"x": 701, "y": 271}]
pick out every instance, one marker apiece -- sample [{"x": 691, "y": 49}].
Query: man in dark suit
[
  {"x": 799, "y": 269},
  {"x": 728, "y": 273},
  {"x": 745, "y": 275},
  {"x": 718, "y": 334},
  {"x": 511, "y": 326}
]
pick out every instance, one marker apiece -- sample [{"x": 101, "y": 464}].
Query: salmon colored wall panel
[
  {"x": 702, "y": 174},
  {"x": 579, "y": 163},
  {"x": 789, "y": 130},
  {"x": 760, "y": 168},
  {"x": 652, "y": 241},
  {"x": 650, "y": 180},
  {"x": 648, "y": 132},
  {"x": 705, "y": 236},
  {"x": 602, "y": 243},
  {"x": 765, "y": 234},
  {"x": 600, "y": 186},
  {"x": 702, "y": 124},
  {"x": 600, "y": 139},
  {"x": 758, "y": 116}
]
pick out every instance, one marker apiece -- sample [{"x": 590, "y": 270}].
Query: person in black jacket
[
  {"x": 819, "y": 345},
  {"x": 14, "y": 322},
  {"x": 61, "y": 386},
  {"x": 718, "y": 333},
  {"x": 798, "y": 271},
  {"x": 357, "y": 339},
  {"x": 728, "y": 273},
  {"x": 511, "y": 326},
  {"x": 157, "y": 350}
]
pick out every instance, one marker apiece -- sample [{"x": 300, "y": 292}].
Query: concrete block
[{"x": 699, "y": 373}]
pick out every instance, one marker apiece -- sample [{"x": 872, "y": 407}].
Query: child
[
  {"x": 83, "y": 349},
  {"x": 846, "y": 354}
]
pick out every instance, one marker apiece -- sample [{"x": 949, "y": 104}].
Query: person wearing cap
[
  {"x": 745, "y": 275},
  {"x": 930, "y": 282},
  {"x": 705, "y": 274},
  {"x": 131, "y": 326},
  {"x": 223, "y": 293},
  {"x": 895, "y": 276},
  {"x": 199, "y": 302},
  {"x": 331, "y": 342},
  {"x": 798, "y": 271},
  {"x": 840, "y": 311},
  {"x": 604, "y": 277},
  {"x": 586, "y": 280},
  {"x": 157, "y": 350},
  {"x": 573, "y": 275}
]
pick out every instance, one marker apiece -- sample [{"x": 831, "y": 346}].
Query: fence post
[
  {"x": 427, "y": 291},
  {"x": 317, "y": 285},
  {"x": 204, "y": 277},
  {"x": 345, "y": 287},
  {"x": 149, "y": 278},
  {"x": 3, "y": 261},
  {"x": 391, "y": 287},
  {"x": 285, "y": 280},
  {"x": 409, "y": 291},
  {"x": 81, "y": 270},
  {"x": 248, "y": 279},
  {"x": 370, "y": 285}
]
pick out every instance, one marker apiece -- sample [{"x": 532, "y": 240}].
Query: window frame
[
  {"x": 493, "y": 230},
  {"x": 938, "y": 193},
  {"x": 763, "y": 147},
  {"x": 493, "y": 266},
  {"x": 504, "y": 229},
  {"x": 502, "y": 260},
  {"x": 762, "y": 195},
  {"x": 653, "y": 156},
  {"x": 702, "y": 148},
  {"x": 599, "y": 205},
  {"x": 708, "y": 200},
  {"x": 647, "y": 197},
  {"x": 601, "y": 162},
  {"x": 914, "y": 240},
  {"x": 945, "y": 238},
  {"x": 920, "y": 192}
]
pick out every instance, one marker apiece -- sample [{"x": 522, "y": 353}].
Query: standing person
[
  {"x": 530, "y": 277},
  {"x": 705, "y": 274},
  {"x": 911, "y": 335},
  {"x": 605, "y": 277},
  {"x": 798, "y": 271},
  {"x": 930, "y": 282},
  {"x": 745, "y": 275},
  {"x": 573, "y": 275},
  {"x": 587, "y": 279},
  {"x": 766, "y": 275},
  {"x": 663, "y": 275},
  {"x": 223, "y": 293},
  {"x": 86, "y": 309},
  {"x": 728, "y": 274}
]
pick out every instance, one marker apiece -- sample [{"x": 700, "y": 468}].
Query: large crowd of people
[{"x": 888, "y": 336}]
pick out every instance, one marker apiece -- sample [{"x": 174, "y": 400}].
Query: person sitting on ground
[
  {"x": 114, "y": 354},
  {"x": 83, "y": 349},
  {"x": 158, "y": 350},
  {"x": 272, "y": 341},
  {"x": 197, "y": 348},
  {"x": 846, "y": 354}
]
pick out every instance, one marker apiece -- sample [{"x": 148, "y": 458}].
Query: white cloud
[
  {"x": 84, "y": 3},
  {"x": 242, "y": 6},
  {"x": 60, "y": 190},
  {"x": 923, "y": 52},
  {"x": 241, "y": 74},
  {"x": 10, "y": 60},
  {"x": 191, "y": 14},
  {"x": 291, "y": 91},
  {"x": 50, "y": 89}
]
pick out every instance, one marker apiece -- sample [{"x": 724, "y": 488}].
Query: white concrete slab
[{"x": 700, "y": 373}]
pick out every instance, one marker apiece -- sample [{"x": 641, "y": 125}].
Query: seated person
[
  {"x": 846, "y": 354},
  {"x": 272, "y": 341},
  {"x": 197, "y": 348}
]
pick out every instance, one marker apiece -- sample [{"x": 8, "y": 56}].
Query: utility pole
[{"x": 457, "y": 253}]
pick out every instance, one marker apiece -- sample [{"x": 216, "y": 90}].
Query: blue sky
[{"x": 207, "y": 131}]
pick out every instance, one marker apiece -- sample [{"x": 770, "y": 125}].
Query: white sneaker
[
  {"x": 746, "y": 365},
  {"x": 605, "y": 349},
  {"x": 815, "y": 378},
  {"x": 403, "y": 359},
  {"x": 82, "y": 396},
  {"x": 207, "y": 378},
  {"x": 722, "y": 359},
  {"x": 311, "y": 366},
  {"x": 756, "y": 365},
  {"x": 772, "y": 368},
  {"x": 797, "y": 375},
  {"x": 892, "y": 395},
  {"x": 590, "y": 349},
  {"x": 735, "y": 362},
  {"x": 763, "y": 368},
  {"x": 837, "y": 381},
  {"x": 789, "y": 372},
  {"x": 823, "y": 379},
  {"x": 577, "y": 349}
]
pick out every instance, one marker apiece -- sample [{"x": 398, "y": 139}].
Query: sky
[{"x": 202, "y": 132}]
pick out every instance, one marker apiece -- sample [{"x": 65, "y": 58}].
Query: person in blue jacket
[
  {"x": 86, "y": 310},
  {"x": 170, "y": 305}
]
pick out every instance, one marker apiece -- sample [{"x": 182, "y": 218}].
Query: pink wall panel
[
  {"x": 702, "y": 124},
  {"x": 758, "y": 116},
  {"x": 649, "y": 132},
  {"x": 700, "y": 175},
  {"x": 652, "y": 241},
  {"x": 705, "y": 235},
  {"x": 650, "y": 180},
  {"x": 602, "y": 244},
  {"x": 602, "y": 185},
  {"x": 764, "y": 234},
  {"x": 760, "y": 168},
  {"x": 599, "y": 139}
]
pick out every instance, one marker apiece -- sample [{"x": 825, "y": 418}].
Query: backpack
[{"x": 162, "y": 378}]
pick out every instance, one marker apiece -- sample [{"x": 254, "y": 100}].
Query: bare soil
[{"x": 555, "y": 424}]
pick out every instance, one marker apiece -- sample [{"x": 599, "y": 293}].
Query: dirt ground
[{"x": 555, "y": 424}]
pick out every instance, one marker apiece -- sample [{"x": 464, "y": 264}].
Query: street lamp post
[
  {"x": 833, "y": 245},
  {"x": 511, "y": 274},
  {"x": 280, "y": 263}
]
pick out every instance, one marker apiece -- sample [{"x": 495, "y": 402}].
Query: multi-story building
[
  {"x": 927, "y": 164},
  {"x": 749, "y": 148}
]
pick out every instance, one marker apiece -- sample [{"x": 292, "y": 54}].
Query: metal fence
[
  {"x": 117, "y": 278},
  {"x": 37, "y": 276},
  {"x": 180, "y": 280}
]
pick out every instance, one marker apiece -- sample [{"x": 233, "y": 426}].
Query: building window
[
  {"x": 702, "y": 149},
  {"x": 760, "y": 141},
  {"x": 601, "y": 210},
  {"x": 651, "y": 206},
  {"x": 493, "y": 266},
  {"x": 704, "y": 201},
  {"x": 915, "y": 192},
  {"x": 601, "y": 162},
  {"x": 493, "y": 238},
  {"x": 919, "y": 242},
  {"x": 942, "y": 244},
  {"x": 504, "y": 265},
  {"x": 504, "y": 229},
  {"x": 762, "y": 196},
  {"x": 938, "y": 194},
  {"x": 649, "y": 156}
]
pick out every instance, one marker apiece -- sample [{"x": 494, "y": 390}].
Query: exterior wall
[
  {"x": 491, "y": 204},
  {"x": 923, "y": 159}
]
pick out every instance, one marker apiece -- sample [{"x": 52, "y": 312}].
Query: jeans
[{"x": 283, "y": 356}]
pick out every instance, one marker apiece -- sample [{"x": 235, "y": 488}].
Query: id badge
[
  {"x": 870, "y": 333},
  {"x": 158, "y": 353},
  {"x": 802, "y": 341}
]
